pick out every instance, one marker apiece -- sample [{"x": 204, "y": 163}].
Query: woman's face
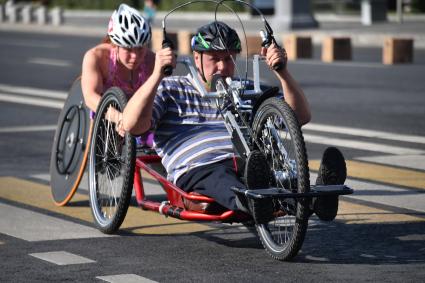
[{"x": 131, "y": 58}]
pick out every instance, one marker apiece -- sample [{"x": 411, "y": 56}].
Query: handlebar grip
[
  {"x": 279, "y": 66},
  {"x": 168, "y": 70}
]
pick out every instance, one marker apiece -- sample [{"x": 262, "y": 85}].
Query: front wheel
[
  {"x": 280, "y": 139},
  {"x": 111, "y": 167}
]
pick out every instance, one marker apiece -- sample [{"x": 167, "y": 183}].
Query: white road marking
[
  {"x": 32, "y": 101},
  {"x": 125, "y": 278},
  {"x": 364, "y": 133},
  {"x": 34, "y": 91},
  {"x": 369, "y": 146},
  {"x": 62, "y": 258},
  {"x": 384, "y": 194},
  {"x": 408, "y": 161},
  {"x": 23, "y": 129},
  {"x": 33, "y": 226},
  {"x": 50, "y": 62},
  {"x": 340, "y": 64},
  {"x": 31, "y": 43}
]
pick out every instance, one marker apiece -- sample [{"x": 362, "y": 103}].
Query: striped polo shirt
[{"x": 189, "y": 129}]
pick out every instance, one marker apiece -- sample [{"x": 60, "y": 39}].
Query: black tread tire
[
  {"x": 110, "y": 225},
  {"x": 290, "y": 249}
]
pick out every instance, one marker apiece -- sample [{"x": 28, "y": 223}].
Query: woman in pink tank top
[{"x": 122, "y": 59}]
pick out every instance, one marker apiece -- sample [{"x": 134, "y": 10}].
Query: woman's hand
[{"x": 164, "y": 57}]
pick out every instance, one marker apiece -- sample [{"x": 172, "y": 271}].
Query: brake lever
[{"x": 268, "y": 39}]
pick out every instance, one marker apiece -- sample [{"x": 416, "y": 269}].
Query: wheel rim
[{"x": 106, "y": 169}]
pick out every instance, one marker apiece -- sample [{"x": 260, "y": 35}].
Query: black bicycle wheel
[
  {"x": 280, "y": 139},
  {"x": 111, "y": 166}
]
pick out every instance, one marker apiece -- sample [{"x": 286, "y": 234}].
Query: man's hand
[
  {"x": 164, "y": 57},
  {"x": 274, "y": 56}
]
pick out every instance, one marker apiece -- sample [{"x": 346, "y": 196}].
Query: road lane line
[
  {"x": 364, "y": 133},
  {"x": 24, "y": 129},
  {"x": 31, "y": 101},
  {"x": 137, "y": 220},
  {"x": 368, "y": 146},
  {"x": 125, "y": 278},
  {"x": 31, "y": 44},
  {"x": 50, "y": 62},
  {"x": 381, "y": 173},
  {"x": 409, "y": 161},
  {"x": 34, "y": 91},
  {"x": 33, "y": 226},
  {"x": 62, "y": 258}
]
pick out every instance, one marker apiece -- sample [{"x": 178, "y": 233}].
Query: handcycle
[{"x": 263, "y": 129}]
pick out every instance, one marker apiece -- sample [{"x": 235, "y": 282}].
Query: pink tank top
[{"x": 114, "y": 80}]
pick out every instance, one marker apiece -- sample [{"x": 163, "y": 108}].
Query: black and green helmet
[{"x": 211, "y": 36}]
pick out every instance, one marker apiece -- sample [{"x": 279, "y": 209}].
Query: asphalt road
[{"x": 374, "y": 113}]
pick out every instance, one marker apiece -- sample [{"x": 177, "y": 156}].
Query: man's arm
[
  {"x": 293, "y": 93},
  {"x": 138, "y": 112}
]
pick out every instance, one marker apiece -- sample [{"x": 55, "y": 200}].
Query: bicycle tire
[
  {"x": 111, "y": 166},
  {"x": 283, "y": 236}
]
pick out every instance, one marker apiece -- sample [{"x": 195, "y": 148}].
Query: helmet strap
[{"x": 202, "y": 70}]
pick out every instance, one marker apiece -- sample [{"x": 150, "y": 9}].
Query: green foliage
[{"x": 418, "y": 6}]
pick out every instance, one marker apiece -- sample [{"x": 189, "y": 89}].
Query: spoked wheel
[
  {"x": 280, "y": 139},
  {"x": 111, "y": 167}
]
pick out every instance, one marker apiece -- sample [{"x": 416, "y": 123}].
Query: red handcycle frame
[{"x": 175, "y": 206}]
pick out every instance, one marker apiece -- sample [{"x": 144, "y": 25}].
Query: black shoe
[{"x": 332, "y": 171}]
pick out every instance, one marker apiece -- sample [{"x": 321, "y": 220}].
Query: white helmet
[{"x": 127, "y": 28}]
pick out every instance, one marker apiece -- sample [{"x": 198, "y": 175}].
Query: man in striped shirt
[{"x": 190, "y": 134}]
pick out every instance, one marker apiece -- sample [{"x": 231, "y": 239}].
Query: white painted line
[
  {"x": 31, "y": 101},
  {"x": 62, "y": 258},
  {"x": 50, "y": 62},
  {"x": 408, "y": 161},
  {"x": 31, "y": 44},
  {"x": 125, "y": 278},
  {"x": 23, "y": 129},
  {"x": 364, "y": 133},
  {"x": 32, "y": 226},
  {"x": 340, "y": 64},
  {"x": 384, "y": 194},
  {"x": 369, "y": 146},
  {"x": 34, "y": 91}
]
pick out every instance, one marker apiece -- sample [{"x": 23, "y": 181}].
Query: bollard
[
  {"x": 57, "y": 16},
  {"x": 26, "y": 14},
  {"x": 336, "y": 48},
  {"x": 2, "y": 13},
  {"x": 184, "y": 39},
  {"x": 41, "y": 15},
  {"x": 12, "y": 14},
  {"x": 253, "y": 44},
  {"x": 397, "y": 50},
  {"x": 158, "y": 37},
  {"x": 298, "y": 46}
]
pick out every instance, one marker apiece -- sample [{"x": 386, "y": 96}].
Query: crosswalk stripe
[
  {"x": 32, "y": 226},
  {"x": 137, "y": 220},
  {"x": 125, "y": 278},
  {"x": 380, "y": 173},
  {"x": 62, "y": 258},
  {"x": 408, "y": 161},
  {"x": 364, "y": 133},
  {"x": 30, "y": 91},
  {"x": 31, "y": 101},
  {"x": 23, "y": 129},
  {"x": 361, "y": 145}
]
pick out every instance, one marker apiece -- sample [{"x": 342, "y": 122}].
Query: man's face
[{"x": 216, "y": 62}]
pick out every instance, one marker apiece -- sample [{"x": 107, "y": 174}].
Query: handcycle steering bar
[{"x": 233, "y": 85}]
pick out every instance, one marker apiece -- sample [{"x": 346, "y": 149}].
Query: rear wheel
[
  {"x": 111, "y": 167},
  {"x": 280, "y": 139}
]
